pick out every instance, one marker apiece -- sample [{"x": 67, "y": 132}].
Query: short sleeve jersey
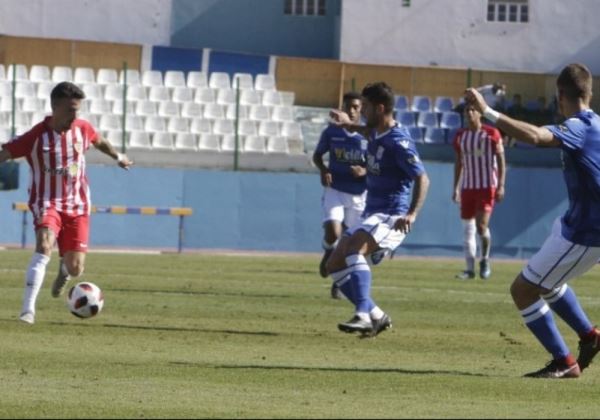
[
  {"x": 579, "y": 136},
  {"x": 345, "y": 150},
  {"x": 392, "y": 164}
]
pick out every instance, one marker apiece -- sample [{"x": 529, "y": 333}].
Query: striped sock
[
  {"x": 566, "y": 305},
  {"x": 342, "y": 279},
  {"x": 540, "y": 321}
]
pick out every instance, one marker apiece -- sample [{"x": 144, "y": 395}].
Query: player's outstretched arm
[
  {"x": 525, "y": 132},
  {"x": 105, "y": 147}
]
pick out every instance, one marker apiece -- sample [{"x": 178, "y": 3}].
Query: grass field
[{"x": 240, "y": 336}]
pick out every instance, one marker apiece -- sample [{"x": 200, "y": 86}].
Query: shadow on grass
[
  {"x": 199, "y": 293},
  {"x": 338, "y": 369},
  {"x": 173, "y": 329}
]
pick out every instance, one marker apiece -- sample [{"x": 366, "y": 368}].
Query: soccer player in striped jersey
[
  {"x": 396, "y": 189},
  {"x": 479, "y": 174},
  {"x": 573, "y": 246},
  {"x": 343, "y": 179},
  {"x": 59, "y": 195}
]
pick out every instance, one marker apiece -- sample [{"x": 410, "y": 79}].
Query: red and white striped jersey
[
  {"x": 477, "y": 151},
  {"x": 57, "y": 163}
]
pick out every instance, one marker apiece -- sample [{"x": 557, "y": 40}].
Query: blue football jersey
[
  {"x": 345, "y": 149},
  {"x": 580, "y": 144},
  {"x": 392, "y": 164}
]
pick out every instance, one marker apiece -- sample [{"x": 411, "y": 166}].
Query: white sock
[
  {"x": 470, "y": 243},
  {"x": 364, "y": 316},
  {"x": 327, "y": 246},
  {"x": 33, "y": 281},
  {"x": 376, "y": 313},
  {"x": 486, "y": 242}
]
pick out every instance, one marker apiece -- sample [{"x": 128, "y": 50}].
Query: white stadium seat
[
  {"x": 250, "y": 97},
  {"x": 244, "y": 80},
  {"x": 136, "y": 93},
  {"x": 277, "y": 144},
  {"x": 228, "y": 143},
  {"x": 32, "y": 104},
  {"x": 197, "y": 79},
  {"x": 25, "y": 89},
  {"x": 139, "y": 140},
  {"x": 134, "y": 122},
  {"x": 186, "y": 141},
  {"x": 113, "y": 92},
  {"x": 5, "y": 89},
  {"x": 209, "y": 142},
  {"x": 271, "y": 98},
  {"x": 159, "y": 93},
  {"x": 292, "y": 130},
  {"x": 178, "y": 125},
  {"x": 155, "y": 124},
  {"x": 248, "y": 128},
  {"x": 201, "y": 126},
  {"x": 100, "y": 106},
  {"x": 174, "y": 78},
  {"x": 287, "y": 98},
  {"x": 84, "y": 75},
  {"x": 182, "y": 94},
  {"x": 223, "y": 127},
  {"x": 255, "y": 144},
  {"x": 214, "y": 111},
  {"x": 259, "y": 112},
  {"x": 264, "y": 82},
  {"x": 152, "y": 78},
  {"x": 39, "y": 73},
  {"x": 20, "y": 72},
  {"x": 91, "y": 90},
  {"x": 133, "y": 77},
  {"x": 219, "y": 80},
  {"x": 191, "y": 110},
  {"x": 107, "y": 77},
  {"x": 205, "y": 96},
  {"x": 117, "y": 107},
  {"x": 115, "y": 138},
  {"x": 243, "y": 112},
  {"x": 226, "y": 96},
  {"x": 146, "y": 108},
  {"x": 268, "y": 128},
  {"x": 162, "y": 140},
  {"x": 62, "y": 74},
  {"x": 168, "y": 109},
  {"x": 2, "y": 72},
  {"x": 283, "y": 113}
]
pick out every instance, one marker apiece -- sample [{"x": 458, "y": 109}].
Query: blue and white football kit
[
  {"x": 344, "y": 201},
  {"x": 573, "y": 247}
]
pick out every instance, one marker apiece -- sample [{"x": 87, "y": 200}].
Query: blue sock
[
  {"x": 342, "y": 279},
  {"x": 540, "y": 321},
  {"x": 360, "y": 277},
  {"x": 566, "y": 305}
]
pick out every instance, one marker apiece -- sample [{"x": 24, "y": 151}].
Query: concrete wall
[
  {"x": 455, "y": 33},
  {"x": 281, "y": 212}
]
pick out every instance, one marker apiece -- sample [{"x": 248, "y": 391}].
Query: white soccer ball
[{"x": 85, "y": 300}]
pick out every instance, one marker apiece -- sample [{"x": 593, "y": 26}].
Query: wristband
[{"x": 491, "y": 115}]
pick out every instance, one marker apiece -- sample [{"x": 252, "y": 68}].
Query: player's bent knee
[{"x": 75, "y": 268}]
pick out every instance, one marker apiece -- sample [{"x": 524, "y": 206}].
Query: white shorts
[
  {"x": 559, "y": 260},
  {"x": 342, "y": 207},
  {"x": 381, "y": 227}
]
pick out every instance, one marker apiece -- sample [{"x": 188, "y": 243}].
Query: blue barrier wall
[
  {"x": 232, "y": 63},
  {"x": 281, "y": 212},
  {"x": 258, "y": 27},
  {"x": 182, "y": 59}
]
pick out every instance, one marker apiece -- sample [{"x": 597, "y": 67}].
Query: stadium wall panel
[
  {"x": 181, "y": 59},
  {"x": 281, "y": 212},
  {"x": 229, "y": 62}
]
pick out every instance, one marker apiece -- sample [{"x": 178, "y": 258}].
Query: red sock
[
  {"x": 569, "y": 360},
  {"x": 589, "y": 336}
]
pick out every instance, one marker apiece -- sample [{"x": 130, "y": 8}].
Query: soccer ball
[{"x": 85, "y": 300}]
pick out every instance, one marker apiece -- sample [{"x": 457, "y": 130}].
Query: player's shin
[
  {"x": 360, "y": 278},
  {"x": 33, "y": 281},
  {"x": 540, "y": 322},
  {"x": 565, "y": 304},
  {"x": 486, "y": 244},
  {"x": 470, "y": 243}
]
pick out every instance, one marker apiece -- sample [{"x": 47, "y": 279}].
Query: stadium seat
[
  {"x": 191, "y": 110},
  {"x": 146, "y": 108},
  {"x": 168, "y": 109},
  {"x": 271, "y": 98},
  {"x": 264, "y": 82},
  {"x": 40, "y": 116},
  {"x": 100, "y": 106},
  {"x": 277, "y": 144},
  {"x": 110, "y": 122},
  {"x": 421, "y": 104},
  {"x": 205, "y": 95},
  {"x": 406, "y": 118},
  {"x": 5, "y": 89},
  {"x": 255, "y": 144},
  {"x": 226, "y": 96},
  {"x": 91, "y": 90},
  {"x": 186, "y": 141},
  {"x": 134, "y": 122},
  {"x": 434, "y": 135},
  {"x": 133, "y": 77},
  {"x": 159, "y": 93},
  {"x": 152, "y": 78},
  {"x": 201, "y": 126},
  {"x": 268, "y": 128},
  {"x": 178, "y": 125},
  {"x": 174, "y": 78},
  {"x": 223, "y": 127},
  {"x": 6, "y": 104},
  {"x": 295, "y": 146},
  {"x": 416, "y": 133},
  {"x": 228, "y": 143},
  {"x": 197, "y": 79},
  {"x": 209, "y": 142},
  {"x": 247, "y": 128},
  {"x": 32, "y": 104},
  {"x": 62, "y": 74},
  {"x": 5, "y": 135},
  {"x": 25, "y": 89},
  {"x": 113, "y": 92},
  {"x": 451, "y": 134},
  {"x": 20, "y": 72},
  {"x": 115, "y": 138},
  {"x": 401, "y": 103},
  {"x": 287, "y": 98},
  {"x": 292, "y": 130},
  {"x": 48, "y": 105},
  {"x": 214, "y": 111},
  {"x": 243, "y": 111},
  {"x": 84, "y": 75},
  {"x": 117, "y": 107},
  {"x": 450, "y": 119},
  {"x": 250, "y": 97},
  {"x": 2, "y": 72},
  {"x": 244, "y": 80},
  {"x": 427, "y": 119},
  {"x": 136, "y": 93},
  {"x": 219, "y": 80},
  {"x": 162, "y": 140},
  {"x": 107, "y": 77},
  {"x": 39, "y": 73},
  {"x": 155, "y": 124},
  {"x": 139, "y": 140},
  {"x": 259, "y": 112},
  {"x": 443, "y": 104},
  {"x": 182, "y": 94},
  {"x": 23, "y": 119},
  {"x": 283, "y": 113}
]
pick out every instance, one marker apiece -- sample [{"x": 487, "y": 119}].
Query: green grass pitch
[{"x": 256, "y": 336}]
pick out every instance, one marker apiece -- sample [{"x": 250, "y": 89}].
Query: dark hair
[
  {"x": 575, "y": 82},
  {"x": 380, "y": 94},
  {"x": 66, "y": 90},
  {"x": 351, "y": 96}
]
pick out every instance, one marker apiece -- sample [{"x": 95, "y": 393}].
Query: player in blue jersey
[
  {"x": 343, "y": 179},
  {"x": 394, "y": 172},
  {"x": 573, "y": 247}
]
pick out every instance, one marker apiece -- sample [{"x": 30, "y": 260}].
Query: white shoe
[{"x": 27, "y": 317}]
